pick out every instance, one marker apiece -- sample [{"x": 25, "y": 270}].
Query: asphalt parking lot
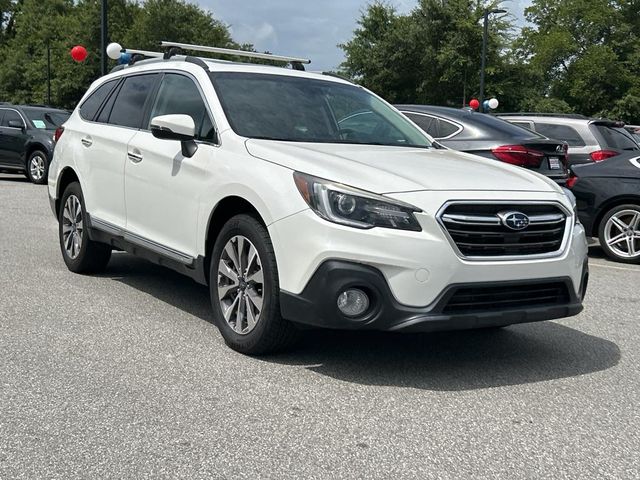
[{"x": 123, "y": 375}]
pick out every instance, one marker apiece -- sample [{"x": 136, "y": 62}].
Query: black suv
[{"x": 27, "y": 138}]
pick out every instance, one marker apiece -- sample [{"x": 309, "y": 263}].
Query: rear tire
[
  {"x": 245, "y": 292},
  {"x": 619, "y": 233},
  {"x": 37, "y": 167},
  {"x": 79, "y": 252}
]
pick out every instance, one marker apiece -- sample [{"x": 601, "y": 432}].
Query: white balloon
[
  {"x": 113, "y": 50},
  {"x": 493, "y": 103}
]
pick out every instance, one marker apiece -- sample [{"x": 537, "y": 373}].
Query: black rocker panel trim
[{"x": 104, "y": 232}]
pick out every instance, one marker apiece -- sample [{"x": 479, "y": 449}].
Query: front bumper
[
  {"x": 317, "y": 304},
  {"x": 417, "y": 266}
]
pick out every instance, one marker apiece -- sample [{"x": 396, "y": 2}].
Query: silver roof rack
[
  {"x": 237, "y": 53},
  {"x": 175, "y": 50}
]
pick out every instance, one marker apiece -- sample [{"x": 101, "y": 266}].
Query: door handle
[
  {"x": 87, "y": 142},
  {"x": 135, "y": 157}
]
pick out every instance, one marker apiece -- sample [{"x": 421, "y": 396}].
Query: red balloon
[
  {"x": 474, "y": 103},
  {"x": 79, "y": 53}
]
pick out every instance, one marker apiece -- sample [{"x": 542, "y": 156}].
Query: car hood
[{"x": 384, "y": 169}]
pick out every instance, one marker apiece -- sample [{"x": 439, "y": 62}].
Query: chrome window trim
[
  {"x": 568, "y": 230},
  {"x": 430, "y": 115}
]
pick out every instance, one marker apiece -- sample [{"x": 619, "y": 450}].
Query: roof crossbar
[{"x": 294, "y": 61}]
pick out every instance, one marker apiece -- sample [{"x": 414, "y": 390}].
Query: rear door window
[
  {"x": 561, "y": 132},
  {"x": 616, "y": 138},
  {"x": 91, "y": 105},
  {"x": 128, "y": 107}
]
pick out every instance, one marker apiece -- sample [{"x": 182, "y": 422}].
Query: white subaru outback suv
[{"x": 301, "y": 198}]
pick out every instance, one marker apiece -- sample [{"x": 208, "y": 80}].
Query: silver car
[{"x": 589, "y": 139}]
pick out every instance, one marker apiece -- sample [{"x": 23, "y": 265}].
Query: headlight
[
  {"x": 355, "y": 208},
  {"x": 574, "y": 203}
]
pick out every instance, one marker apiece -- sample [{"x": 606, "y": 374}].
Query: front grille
[
  {"x": 509, "y": 297},
  {"x": 479, "y": 231}
]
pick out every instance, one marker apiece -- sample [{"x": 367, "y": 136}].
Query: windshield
[
  {"x": 295, "y": 109},
  {"x": 46, "y": 119}
]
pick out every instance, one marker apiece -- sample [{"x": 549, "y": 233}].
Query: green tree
[
  {"x": 431, "y": 55},
  {"x": 586, "y": 52},
  {"x": 175, "y": 21},
  {"x": 64, "y": 23}
]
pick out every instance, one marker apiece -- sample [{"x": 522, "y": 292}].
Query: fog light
[{"x": 353, "y": 302}]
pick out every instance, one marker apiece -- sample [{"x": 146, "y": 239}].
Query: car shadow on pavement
[
  {"x": 446, "y": 361},
  {"x": 162, "y": 283},
  {"x": 455, "y": 361}
]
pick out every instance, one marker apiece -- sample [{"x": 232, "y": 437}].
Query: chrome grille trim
[{"x": 562, "y": 220}]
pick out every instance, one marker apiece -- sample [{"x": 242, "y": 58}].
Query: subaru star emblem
[{"x": 514, "y": 220}]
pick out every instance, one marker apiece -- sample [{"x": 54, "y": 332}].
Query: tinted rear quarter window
[
  {"x": 91, "y": 105},
  {"x": 616, "y": 138},
  {"x": 446, "y": 129},
  {"x": 425, "y": 122},
  {"x": 561, "y": 132},
  {"x": 128, "y": 107}
]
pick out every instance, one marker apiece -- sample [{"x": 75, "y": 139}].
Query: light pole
[
  {"x": 104, "y": 34},
  {"x": 48, "y": 71},
  {"x": 483, "y": 61}
]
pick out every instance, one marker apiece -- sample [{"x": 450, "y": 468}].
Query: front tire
[
  {"x": 80, "y": 253},
  {"x": 37, "y": 167},
  {"x": 619, "y": 233},
  {"x": 243, "y": 282}
]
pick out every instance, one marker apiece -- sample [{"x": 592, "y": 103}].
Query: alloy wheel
[
  {"x": 37, "y": 167},
  {"x": 622, "y": 233},
  {"x": 240, "y": 284},
  {"x": 72, "y": 226}
]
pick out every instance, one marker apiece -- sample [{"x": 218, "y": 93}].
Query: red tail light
[
  {"x": 600, "y": 155},
  {"x": 58, "y": 134},
  {"x": 518, "y": 155},
  {"x": 571, "y": 181}
]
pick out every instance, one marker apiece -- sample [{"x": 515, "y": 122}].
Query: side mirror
[
  {"x": 16, "y": 124},
  {"x": 176, "y": 127}
]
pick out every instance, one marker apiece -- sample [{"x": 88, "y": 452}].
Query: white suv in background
[{"x": 265, "y": 184}]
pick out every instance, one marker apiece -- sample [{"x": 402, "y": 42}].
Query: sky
[{"x": 305, "y": 28}]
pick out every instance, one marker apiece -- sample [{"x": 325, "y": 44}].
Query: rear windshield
[
  {"x": 300, "y": 109},
  {"x": 495, "y": 127},
  {"x": 615, "y": 137},
  {"x": 46, "y": 119}
]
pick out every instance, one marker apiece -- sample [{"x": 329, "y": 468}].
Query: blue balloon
[
  {"x": 485, "y": 106},
  {"x": 124, "y": 58}
]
